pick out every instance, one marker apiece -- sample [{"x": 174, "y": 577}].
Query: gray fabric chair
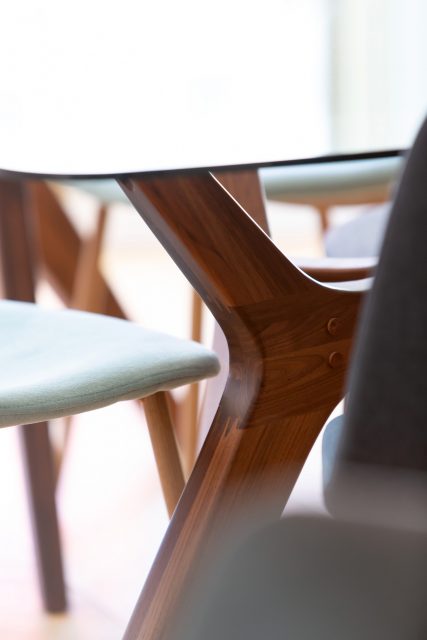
[
  {"x": 312, "y": 578},
  {"x": 386, "y": 412}
]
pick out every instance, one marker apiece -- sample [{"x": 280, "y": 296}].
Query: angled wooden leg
[
  {"x": 288, "y": 339},
  {"x": 323, "y": 211},
  {"x": 60, "y": 249},
  {"x": 190, "y": 428},
  {"x": 87, "y": 294},
  {"x": 39, "y": 472},
  {"x": 17, "y": 271},
  {"x": 247, "y": 189},
  {"x": 165, "y": 449}
]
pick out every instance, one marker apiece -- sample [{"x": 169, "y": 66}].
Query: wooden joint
[
  {"x": 333, "y": 326},
  {"x": 336, "y": 359}
]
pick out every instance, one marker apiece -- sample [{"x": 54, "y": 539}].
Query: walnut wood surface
[
  {"x": 246, "y": 188},
  {"x": 190, "y": 406},
  {"x": 17, "y": 272},
  {"x": 60, "y": 250},
  {"x": 337, "y": 269},
  {"x": 90, "y": 289},
  {"x": 286, "y": 372}
]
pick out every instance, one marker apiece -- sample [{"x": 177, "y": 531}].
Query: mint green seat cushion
[
  {"x": 329, "y": 179},
  {"x": 59, "y": 363},
  {"x": 104, "y": 189}
]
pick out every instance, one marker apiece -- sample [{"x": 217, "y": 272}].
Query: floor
[{"x": 111, "y": 510}]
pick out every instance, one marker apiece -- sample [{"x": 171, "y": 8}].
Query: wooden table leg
[
  {"x": 247, "y": 189},
  {"x": 289, "y": 339},
  {"x": 17, "y": 272}
]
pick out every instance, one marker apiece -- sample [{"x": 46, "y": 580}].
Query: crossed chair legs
[{"x": 18, "y": 280}]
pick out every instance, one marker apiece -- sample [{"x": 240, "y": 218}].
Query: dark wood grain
[
  {"x": 59, "y": 248},
  {"x": 338, "y": 269},
  {"x": 18, "y": 283},
  {"x": 247, "y": 189},
  {"x": 286, "y": 372}
]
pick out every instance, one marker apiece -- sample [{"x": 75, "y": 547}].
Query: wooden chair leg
[
  {"x": 323, "y": 211},
  {"x": 87, "y": 294},
  {"x": 59, "y": 247},
  {"x": 191, "y": 402},
  {"x": 39, "y": 473},
  {"x": 165, "y": 448},
  {"x": 17, "y": 271}
]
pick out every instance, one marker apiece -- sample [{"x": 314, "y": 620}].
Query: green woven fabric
[{"x": 59, "y": 363}]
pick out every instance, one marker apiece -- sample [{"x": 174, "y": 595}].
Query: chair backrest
[{"x": 385, "y": 424}]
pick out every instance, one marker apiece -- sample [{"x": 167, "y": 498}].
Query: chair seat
[
  {"x": 329, "y": 180},
  {"x": 59, "y": 363}
]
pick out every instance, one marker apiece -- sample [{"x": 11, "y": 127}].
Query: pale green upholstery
[
  {"x": 330, "y": 179},
  {"x": 59, "y": 363},
  {"x": 105, "y": 190}
]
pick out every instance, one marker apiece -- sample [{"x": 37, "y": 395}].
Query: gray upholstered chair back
[
  {"x": 385, "y": 424},
  {"x": 386, "y": 416}
]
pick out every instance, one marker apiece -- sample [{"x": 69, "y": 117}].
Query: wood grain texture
[
  {"x": 282, "y": 381},
  {"x": 190, "y": 404},
  {"x": 18, "y": 281},
  {"x": 338, "y": 269},
  {"x": 247, "y": 189},
  {"x": 90, "y": 290},
  {"x": 165, "y": 448},
  {"x": 60, "y": 249}
]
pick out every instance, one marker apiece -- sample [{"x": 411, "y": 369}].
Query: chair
[
  {"x": 59, "y": 363},
  {"x": 362, "y": 237},
  {"x": 323, "y": 186},
  {"x": 384, "y": 424},
  {"x": 312, "y": 578},
  {"x": 352, "y": 248}
]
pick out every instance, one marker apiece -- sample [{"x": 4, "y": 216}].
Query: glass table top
[{"x": 98, "y": 88}]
